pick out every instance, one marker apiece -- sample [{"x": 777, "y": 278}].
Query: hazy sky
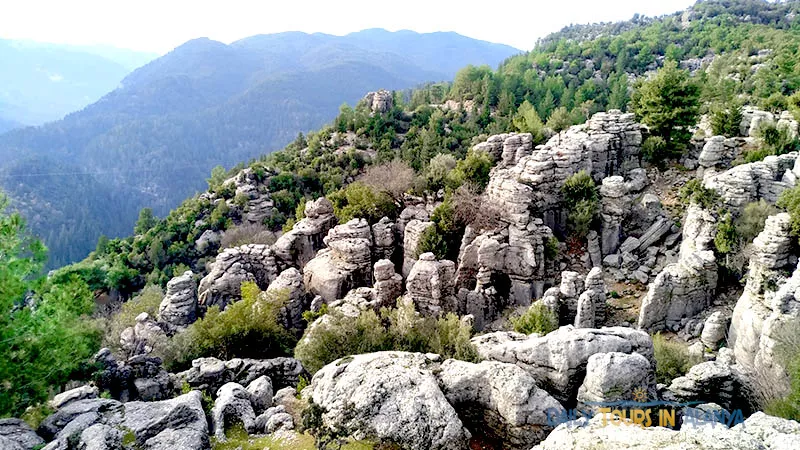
[{"x": 160, "y": 25}]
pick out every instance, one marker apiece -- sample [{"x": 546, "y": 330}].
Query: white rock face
[
  {"x": 297, "y": 247},
  {"x": 498, "y": 399},
  {"x": 72, "y": 395},
  {"x": 380, "y": 101},
  {"x": 344, "y": 265},
  {"x": 759, "y": 432},
  {"x": 751, "y": 182},
  {"x": 614, "y": 376},
  {"x": 767, "y": 291},
  {"x": 413, "y": 232},
  {"x": 431, "y": 284},
  {"x": 290, "y": 284},
  {"x": 558, "y": 360},
  {"x": 179, "y": 306},
  {"x": 507, "y": 148},
  {"x": 685, "y": 288},
  {"x": 140, "y": 338},
  {"x": 232, "y": 267},
  {"x": 389, "y": 396}
]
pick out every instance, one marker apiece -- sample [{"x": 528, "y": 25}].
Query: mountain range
[{"x": 152, "y": 141}]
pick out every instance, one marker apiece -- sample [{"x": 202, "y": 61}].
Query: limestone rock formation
[
  {"x": 379, "y": 102},
  {"x": 685, "y": 288},
  {"x": 411, "y": 237},
  {"x": 499, "y": 400},
  {"x": 507, "y": 148},
  {"x": 179, "y": 307},
  {"x": 16, "y": 434},
  {"x": 388, "y": 284},
  {"x": 715, "y": 330},
  {"x": 232, "y": 267},
  {"x": 73, "y": 395},
  {"x": 209, "y": 374},
  {"x": 297, "y": 247},
  {"x": 260, "y": 391},
  {"x": 612, "y": 377},
  {"x": 558, "y": 360},
  {"x": 431, "y": 284},
  {"x": 759, "y": 431},
  {"x": 391, "y": 396},
  {"x": 141, "y": 338},
  {"x": 719, "y": 381},
  {"x": 232, "y": 405},
  {"x": 344, "y": 265},
  {"x": 747, "y": 183},
  {"x": 767, "y": 293},
  {"x": 289, "y": 287},
  {"x": 384, "y": 235}
]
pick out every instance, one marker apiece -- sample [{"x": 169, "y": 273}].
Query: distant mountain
[
  {"x": 43, "y": 82},
  {"x": 153, "y": 141}
]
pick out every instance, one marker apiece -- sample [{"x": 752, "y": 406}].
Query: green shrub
[
  {"x": 148, "y": 300},
  {"x": 358, "y": 200},
  {"x": 751, "y": 156},
  {"x": 672, "y": 359},
  {"x": 694, "y": 191},
  {"x": 790, "y": 202},
  {"x": 432, "y": 240},
  {"x": 751, "y": 222},
  {"x": 581, "y": 201},
  {"x": 248, "y": 328},
  {"x": 537, "y": 319},
  {"x": 399, "y": 328},
  {"x": 655, "y": 151},
  {"x": 726, "y": 240},
  {"x": 475, "y": 168},
  {"x": 551, "y": 248},
  {"x": 786, "y": 404},
  {"x": 219, "y": 219},
  {"x": 726, "y": 121}
]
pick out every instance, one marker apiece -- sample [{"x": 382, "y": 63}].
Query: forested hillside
[
  {"x": 747, "y": 56},
  {"x": 151, "y": 142}
]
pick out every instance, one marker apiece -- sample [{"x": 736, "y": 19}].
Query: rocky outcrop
[
  {"x": 498, "y": 400},
  {"x": 558, "y": 360},
  {"x": 344, "y": 265},
  {"x": 718, "y": 152},
  {"x": 684, "y": 289},
  {"x": 614, "y": 377},
  {"x": 388, "y": 284},
  {"x": 431, "y": 285},
  {"x": 232, "y": 405},
  {"x": 507, "y": 148},
  {"x": 762, "y": 180},
  {"x": 232, "y": 267},
  {"x": 411, "y": 237},
  {"x": 80, "y": 393},
  {"x": 615, "y": 204},
  {"x": 379, "y": 102},
  {"x": 288, "y": 288},
  {"x": 591, "y": 304},
  {"x": 15, "y": 434},
  {"x": 719, "y": 381},
  {"x": 164, "y": 425},
  {"x": 390, "y": 397},
  {"x": 141, "y": 338},
  {"x": 209, "y": 374},
  {"x": 297, "y": 247},
  {"x": 715, "y": 330},
  {"x": 770, "y": 266},
  {"x": 179, "y": 307},
  {"x": 759, "y": 432},
  {"x": 140, "y": 377},
  {"x": 384, "y": 235}
]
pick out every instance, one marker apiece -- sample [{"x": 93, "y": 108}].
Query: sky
[{"x": 161, "y": 25}]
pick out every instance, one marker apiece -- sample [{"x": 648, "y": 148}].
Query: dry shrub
[
  {"x": 471, "y": 208},
  {"x": 394, "y": 178},
  {"x": 247, "y": 234}
]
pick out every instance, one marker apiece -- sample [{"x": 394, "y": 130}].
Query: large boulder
[
  {"x": 719, "y": 381},
  {"x": 232, "y": 267},
  {"x": 73, "y": 395},
  {"x": 761, "y": 180},
  {"x": 411, "y": 238},
  {"x": 431, "y": 284},
  {"x": 346, "y": 263},
  {"x": 498, "y": 400},
  {"x": 558, "y": 360},
  {"x": 168, "y": 424},
  {"x": 16, "y": 434},
  {"x": 289, "y": 287},
  {"x": 179, "y": 307},
  {"x": 387, "y": 397},
  {"x": 297, "y": 247},
  {"x": 233, "y": 405},
  {"x": 141, "y": 338},
  {"x": 614, "y": 377}
]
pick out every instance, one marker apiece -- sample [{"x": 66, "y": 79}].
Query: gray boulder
[
  {"x": 79, "y": 393},
  {"x": 390, "y": 397},
  {"x": 346, "y": 263},
  {"x": 260, "y": 393},
  {"x": 15, "y": 433},
  {"x": 612, "y": 377},
  {"x": 210, "y": 374},
  {"x": 179, "y": 307},
  {"x": 232, "y": 267},
  {"x": 233, "y": 405},
  {"x": 168, "y": 424}
]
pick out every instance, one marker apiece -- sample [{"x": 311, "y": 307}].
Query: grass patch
[{"x": 672, "y": 359}]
